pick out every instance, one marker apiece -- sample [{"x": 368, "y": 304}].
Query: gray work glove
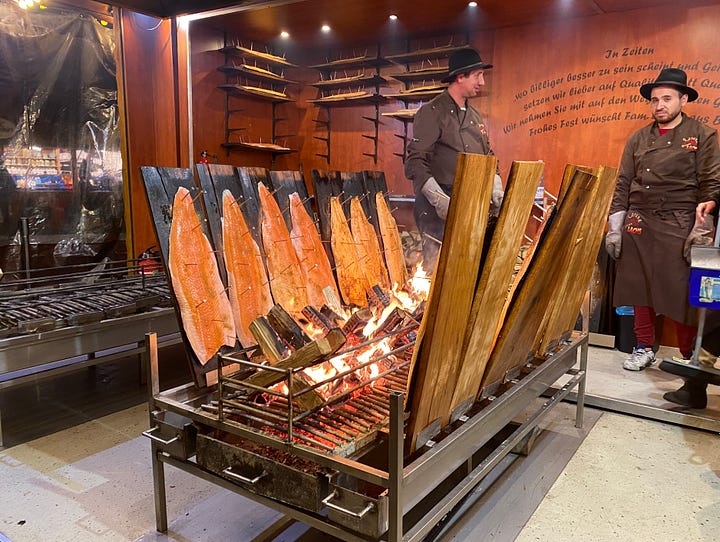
[
  {"x": 701, "y": 234},
  {"x": 497, "y": 193},
  {"x": 613, "y": 239},
  {"x": 437, "y": 197}
]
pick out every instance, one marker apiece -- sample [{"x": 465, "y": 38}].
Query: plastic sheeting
[{"x": 60, "y": 138}]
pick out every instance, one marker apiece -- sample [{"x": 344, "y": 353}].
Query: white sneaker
[{"x": 640, "y": 358}]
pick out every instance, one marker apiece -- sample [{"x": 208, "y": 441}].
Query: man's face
[
  {"x": 666, "y": 104},
  {"x": 471, "y": 83}
]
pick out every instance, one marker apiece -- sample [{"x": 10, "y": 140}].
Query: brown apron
[{"x": 652, "y": 270}]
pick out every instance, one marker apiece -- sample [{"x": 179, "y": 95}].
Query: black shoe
[{"x": 692, "y": 394}]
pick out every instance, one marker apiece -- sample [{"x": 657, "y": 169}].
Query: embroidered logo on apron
[
  {"x": 633, "y": 223},
  {"x": 690, "y": 143}
]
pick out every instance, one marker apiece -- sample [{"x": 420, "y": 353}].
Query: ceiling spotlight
[
  {"x": 393, "y": 17},
  {"x": 284, "y": 35},
  {"x": 325, "y": 28},
  {"x": 472, "y": 4}
]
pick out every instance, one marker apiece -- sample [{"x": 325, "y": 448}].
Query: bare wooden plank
[
  {"x": 440, "y": 340},
  {"x": 563, "y": 316},
  {"x": 495, "y": 279},
  {"x": 537, "y": 293}
]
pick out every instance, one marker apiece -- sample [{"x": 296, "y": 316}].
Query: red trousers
[{"x": 644, "y": 327}]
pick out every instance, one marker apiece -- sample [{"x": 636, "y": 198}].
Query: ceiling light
[
  {"x": 393, "y": 17},
  {"x": 472, "y": 4},
  {"x": 284, "y": 35},
  {"x": 325, "y": 28}
]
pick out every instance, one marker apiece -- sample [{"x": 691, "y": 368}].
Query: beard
[{"x": 667, "y": 119}]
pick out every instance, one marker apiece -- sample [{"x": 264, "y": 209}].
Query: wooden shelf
[
  {"x": 424, "y": 54},
  {"x": 350, "y": 98},
  {"x": 427, "y": 74},
  {"x": 406, "y": 115},
  {"x": 418, "y": 95},
  {"x": 350, "y": 63},
  {"x": 351, "y": 81},
  {"x": 253, "y": 72},
  {"x": 258, "y": 146},
  {"x": 256, "y": 92},
  {"x": 237, "y": 50}
]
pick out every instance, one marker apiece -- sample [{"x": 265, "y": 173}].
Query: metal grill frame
[{"x": 407, "y": 484}]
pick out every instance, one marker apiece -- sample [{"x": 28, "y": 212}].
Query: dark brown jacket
[
  {"x": 676, "y": 170},
  {"x": 440, "y": 131}
]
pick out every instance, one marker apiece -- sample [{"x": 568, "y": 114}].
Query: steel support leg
[{"x": 395, "y": 467}]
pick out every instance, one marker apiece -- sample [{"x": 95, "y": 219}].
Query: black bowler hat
[
  {"x": 673, "y": 77},
  {"x": 463, "y": 61}
]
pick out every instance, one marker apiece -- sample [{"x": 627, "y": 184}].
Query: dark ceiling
[{"x": 358, "y": 21}]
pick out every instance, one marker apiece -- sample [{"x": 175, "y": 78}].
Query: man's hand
[
  {"x": 701, "y": 234},
  {"x": 703, "y": 209},
  {"x": 437, "y": 197},
  {"x": 613, "y": 239}
]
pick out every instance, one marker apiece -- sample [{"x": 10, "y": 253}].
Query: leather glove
[
  {"x": 613, "y": 239},
  {"x": 437, "y": 197},
  {"x": 701, "y": 234},
  {"x": 497, "y": 193}
]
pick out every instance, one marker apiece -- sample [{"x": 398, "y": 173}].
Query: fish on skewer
[
  {"x": 204, "y": 307},
  {"x": 248, "y": 285}
]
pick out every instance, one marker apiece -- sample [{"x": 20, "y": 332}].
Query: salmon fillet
[
  {"x": 392, "y": 245},
  {"x": 351, "y": 280},
  {"x": 204, "y": 307},
  {"x": 286, "y": 278},
  {"x": 367, "y": 246},
  {"x": 248, "y": 285},
  {"x": 313, "y": 258}
]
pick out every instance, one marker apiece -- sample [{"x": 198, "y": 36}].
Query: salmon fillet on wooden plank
[
  {"x": 248, "y": 285},
  {"x": 392, "y": 245},
  {"x": 286, "y": 278},
  {"x": 367, "y": 246},
  {"x": 204, "y": 307},
  {"x": 351, "y": 280},
  {"x": 313, "y": 258}
]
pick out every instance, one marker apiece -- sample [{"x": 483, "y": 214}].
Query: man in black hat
[
  {"x": 443, "y": 127},
  {"x": 667, "y": 190}
]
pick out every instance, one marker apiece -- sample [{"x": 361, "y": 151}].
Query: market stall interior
[{"x": 330, "y": 376}]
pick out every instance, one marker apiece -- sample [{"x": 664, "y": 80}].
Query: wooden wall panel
[
  {"x": 149, "y": 93},
  {"x": 570, "y": 92}
]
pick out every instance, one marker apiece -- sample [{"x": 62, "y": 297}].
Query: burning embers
[{"x": 323, "y": 379}]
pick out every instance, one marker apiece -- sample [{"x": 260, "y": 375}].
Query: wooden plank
[
  {"x": 161, "y": 184},
  {"x": 438, "y": 350},
  {"x": 495, "y": 279},
  {"x": 564, "y": 314},
  {"x": 213, "y": 210},
  {"x": 249, "y": 199},
  {"x": 537, "y": 292},
  {"x": 285, "y": 183},
  {"x": 374, "y": 182},
  {"x": 323, "y": 189},
  {"x": 353, "y": 186}
]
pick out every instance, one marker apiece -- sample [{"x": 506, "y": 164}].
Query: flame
[{"x": 407, "y": 297}]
